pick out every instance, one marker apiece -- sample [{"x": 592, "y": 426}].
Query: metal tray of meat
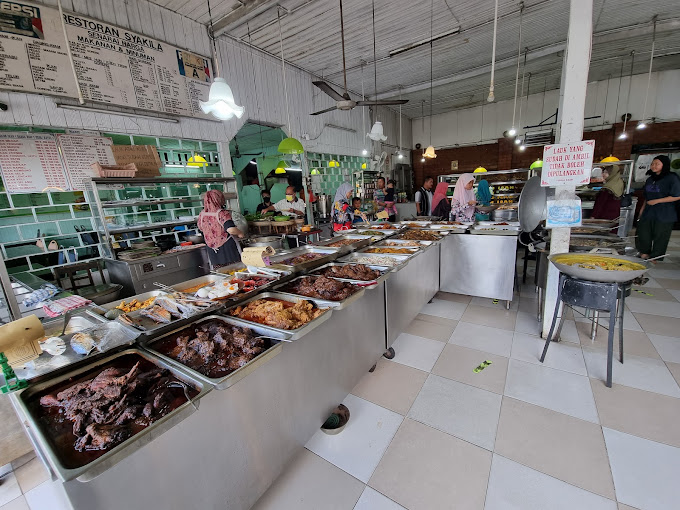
[
  {"x": 295, "y": 334},
  {"x": 328, "y": 255},
  {"x": 418, "y": 223},
  {"x": 338, "y": 305},
  {"x": 232, "y": 378},
  {"x": 493, "y": 231},
  {"x": 119, "y": 452},
  {"x": 139, "y": 297},
  {"x": 358, "y": 242},
  {"x": 384, "y": 272},
  {"x": 413, "y": 251},
  {"x": 404, "y": 243},
  {"x": 401, "y": 260}
]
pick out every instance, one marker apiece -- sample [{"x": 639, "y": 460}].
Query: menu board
[
  {"x": 79, "y": 152},
  {"x": 30, "y": 163},
  {"x": 113, "y": 65}
]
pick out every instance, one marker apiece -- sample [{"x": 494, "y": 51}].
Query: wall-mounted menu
[
  {"x": 113, "y": 65},
  {"x": 79, "y": 152},
  {"x": 30, "y": 163}
]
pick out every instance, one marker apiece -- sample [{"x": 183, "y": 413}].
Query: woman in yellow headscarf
[{"x": 608, "y": 201}]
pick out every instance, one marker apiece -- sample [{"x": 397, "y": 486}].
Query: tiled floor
[{"x": 428, "y": 433}]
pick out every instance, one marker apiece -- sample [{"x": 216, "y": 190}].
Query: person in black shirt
[
  {"x": 266, "y": 205},
  {"x": 658, "y": 215}
]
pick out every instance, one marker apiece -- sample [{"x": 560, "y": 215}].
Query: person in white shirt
[{"x": 291, "y": 204}]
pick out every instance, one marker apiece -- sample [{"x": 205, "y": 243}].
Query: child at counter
[{"x": 359, "y": 216}]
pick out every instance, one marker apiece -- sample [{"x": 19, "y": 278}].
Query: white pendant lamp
[
  {"x": 429, "y": 152},
  {"x": 220, "y": 103},
  {"x": 377, "y": 134},
  {"x": 643, "y": 123}
]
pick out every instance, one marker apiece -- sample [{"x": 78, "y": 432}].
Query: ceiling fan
[
  {"x": 238, "y": 154},
  {"x": 343, "y": 101}
]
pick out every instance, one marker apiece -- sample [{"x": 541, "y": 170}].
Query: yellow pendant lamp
[
  {"x": 610, "y": 159},
  {"x": 333, "y": 164},
  {"x": 280, "y": 168},
  {"x": 429, "y": 152},
  {"x": 479, "y": 170},
  {"x": 197, "y": 161}
]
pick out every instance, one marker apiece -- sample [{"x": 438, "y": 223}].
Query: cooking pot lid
[{"x": 532, "y": 201}]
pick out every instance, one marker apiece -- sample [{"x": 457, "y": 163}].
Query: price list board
[
  {"x": 30, "y": 163},
  {"x": 79, "y": 152}
]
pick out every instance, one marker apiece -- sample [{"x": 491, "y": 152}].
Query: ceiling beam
[
  {"x": 248, "y": 10},
  {"x": 604, "y": 37}
]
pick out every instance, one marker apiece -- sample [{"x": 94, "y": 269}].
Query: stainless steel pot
[
  {"x": 264, "y": 241},
  {"x": 324, "y": 205}
]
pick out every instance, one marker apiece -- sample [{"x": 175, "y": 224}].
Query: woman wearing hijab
[
  {"x": 658, "y": 215},
  {"x": 608, "y": 201},
  {"x": 219, "y": 230},
  {"x": 483, "y": 198},
  {"x": 441, "y": 208},
  {"x": 342, "y": 214},
  {"x": 464, "y": 200}
]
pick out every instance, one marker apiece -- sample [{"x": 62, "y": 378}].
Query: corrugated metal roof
[{"x": 311, "y": 32}]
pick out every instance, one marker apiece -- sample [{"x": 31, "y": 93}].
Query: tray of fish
[
  {"x": 166, "y": 310},
  {"x": 323, "y": 290},
  {"x": 86, "y": 420},
  {"x": 303, "y": 258},
  {"x": 394, "y": 262},
  {"x": 218, "y": 350},
  {"x": 280, "y": 312},
  {"x": 354, "y": 273},
  {"x": 346, "y": 243}
]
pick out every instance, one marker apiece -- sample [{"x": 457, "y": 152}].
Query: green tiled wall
[{"x": 331, "y": 178}]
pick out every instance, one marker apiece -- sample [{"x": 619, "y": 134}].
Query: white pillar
[{"x": 570, "y": 123}]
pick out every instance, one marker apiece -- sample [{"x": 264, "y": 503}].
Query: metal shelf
[
  {"x": 160, "y": 201},
  {"x": 161, "y": 180},
  {"x": 505, "y": 183},
  {"x": 150, "y": 226},
  {"x": 505, "y": 195}
]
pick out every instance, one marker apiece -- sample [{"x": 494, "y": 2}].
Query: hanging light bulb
[
  {"x": 641, "y": 125},
  {"x": 518, "y": 141},
  {"x": 376, "y": 133},
  {"x": 512, "y": 131},
  {"x": 623, "y": 135},
  {"x": 400, "y": 155},
  {"x": 422, "y": 160},
  {"x": 364, "y": 152},
  {"x": 429, "y": 152},
  {"x": 522, "y": 147}
]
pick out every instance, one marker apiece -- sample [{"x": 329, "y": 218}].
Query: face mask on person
[
  {"x": 267, "y": 200},
  {"x": 290, "y": 198}
]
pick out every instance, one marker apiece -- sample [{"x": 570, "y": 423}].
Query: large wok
[{"x": 601, "y": 275}]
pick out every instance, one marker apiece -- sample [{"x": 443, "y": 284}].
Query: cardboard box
[{"x": 145, "y": 157}]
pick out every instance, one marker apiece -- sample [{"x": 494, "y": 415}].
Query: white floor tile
[
  {"x": 653, "y": 284},
  {"x": 670, "y": 274},
  {"x": 642, "y": 373},
  {"x": 371, "y": 499},
  {"x": 569, "y": 332},
  {"x": 417, "y": 352},
  {"x": 675, "y": 293},
  {"x": 629, "y": 321},
  {"x": 489, "y": 303},
  {"x": 483, "y": 338},
  {"x": 9, "y": 489},
  {"x": 653, "y": 307},
  {"x": 514, "y": 486},
  {"x": 667, "y": 347},
  {"x": 48, "y": 496},
  {"x": 527, "y": 323},
  {"x": 444, "y": 308},
  {"x": 561, "y": 355},
  {"x": 360, "y": 446},
  {"x": 16, "y": 504},
  {"x": 458, "y": 409},
  {"x": 645, "y": 472},
  {"x": 555, "y": 389}
]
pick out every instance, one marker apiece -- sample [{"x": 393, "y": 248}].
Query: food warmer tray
[
  {"x": 238, "y": 296},
  {"x": 149, "y": 327},
  {"x": 449, "y": 229},
  {"x": 330, "y": 254},
  {"x": 207, "y": 279},
  {"x": 601, "y": 275},
  {"x": 337, "y": 305},
  {"x": 295, "y": 334},
  {"x": 384, "y": 272},
  {"x": 495, "y": 231},
  {"x": 407, "y": 223},
  {"x": 423, "y": 245},
  {"x": 352, "y": 259},
  {"x": 139, "y": 297},
  {"x": 414, "y": 251},
  {"x": 93, "y": 469},
  {"x": 360, "y": 242},
  {"x": 228, "y": 380}
]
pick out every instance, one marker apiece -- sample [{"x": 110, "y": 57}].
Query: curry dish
[{"x": 598, "y": 262}]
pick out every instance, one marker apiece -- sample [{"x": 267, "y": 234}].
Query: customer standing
[
  {"x": 342, "y": 214},
  {"x": 483, "y": 198},
  {"x": 441, "y": 207},
  {"x": 424, "y": 197},
  {"x": 658, "y": 215},
  {"x": 608, "y": 201},
  {"x": 379, "y": 194},
  {"x": 219, "y": 230},
  {"x": 464, "y": 199}
]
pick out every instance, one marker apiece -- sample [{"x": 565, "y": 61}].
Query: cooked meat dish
[
  {"x": 301, "y": 259},
  {"x": 321, "y": 287},
  {"x": 351, "y": 272},
  {"x": 214, "y": 348},
  {"x": 341, "y": 242},
  {"x": 399, "y": 251},
  {"x": 278, "y": 313},
  {"x": 419, "y": 235},
  {"x": 104, "y": 410},
  {"x": 402, "y": 244},
  {"x": 383, "y": 226},
  {"x": 377, "y": 260}
]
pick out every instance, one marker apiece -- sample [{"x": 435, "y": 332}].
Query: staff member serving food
[{"x": 291, "y": 204}]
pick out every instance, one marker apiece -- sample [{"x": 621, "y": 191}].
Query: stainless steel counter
[
  {"x": 407, "y": 290},
  {"x": 479, "y": 265},
  {"x": 239, "y": 441}
]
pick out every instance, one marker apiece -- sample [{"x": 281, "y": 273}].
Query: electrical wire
[
  {"x": 649, "y": 75},
  {"x": 211, "y": 34},
  {"x": 519, "y": 55},
  {"x": 630, "y": 82},
  {"x": 493, "y": 52},
  {"x": 283, "y": 71},
  {"x": 431, "y": 52}
]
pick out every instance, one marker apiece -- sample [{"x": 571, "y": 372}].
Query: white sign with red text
[{"x": 567, "y": 164}]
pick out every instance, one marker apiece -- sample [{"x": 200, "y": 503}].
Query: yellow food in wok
[{"x": 598, "y": 262}]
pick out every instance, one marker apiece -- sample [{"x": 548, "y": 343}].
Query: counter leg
[{"x": 389, "y": 353}]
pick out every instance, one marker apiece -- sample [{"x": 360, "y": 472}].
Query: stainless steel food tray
[
  {"x": 150, "y": 327},
  {"x": 228, "y": 380},
  {"x": 338, "y": 305},
  {"x": 422, "y": 244},
  {"x": 294, "y": 333},
  {"x": 207, "y": 279},
  {"x": 352, "y": 259},
  {"x": 384, "y": 272},
  {"x": 139, "y": 297},
  {"x": 360, "y": 242},
  {"x": 601, "y": 275},
  {"x": 414, "y": 251},
  {"x": 494, "y": 232},
  {"x": 128, "y": 447},
  {"x": 329, "y": 254},
  {"x": 239, "y": 296}
]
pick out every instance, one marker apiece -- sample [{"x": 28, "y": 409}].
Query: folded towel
[{"x": 63, "y": 305}]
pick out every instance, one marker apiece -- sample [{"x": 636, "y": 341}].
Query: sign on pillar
[{"x": 567, "y": 164}]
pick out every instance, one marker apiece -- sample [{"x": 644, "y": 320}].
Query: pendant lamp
[
  {"x": 220, "y": 103},
  {"x": 291, "y": 146},
  {"x": 479, "y": 170},
  {"x": 536, "y": 164},
  {"x": 197, "y": 161},
  {"x": 280, "y": 167},
  {"x": 429, "y": 152},
  {"x": 377, "y": 134},
  {"x": 643, "y": 123}
]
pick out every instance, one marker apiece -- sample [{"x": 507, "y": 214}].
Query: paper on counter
[{"x": 19, "y": 340}]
